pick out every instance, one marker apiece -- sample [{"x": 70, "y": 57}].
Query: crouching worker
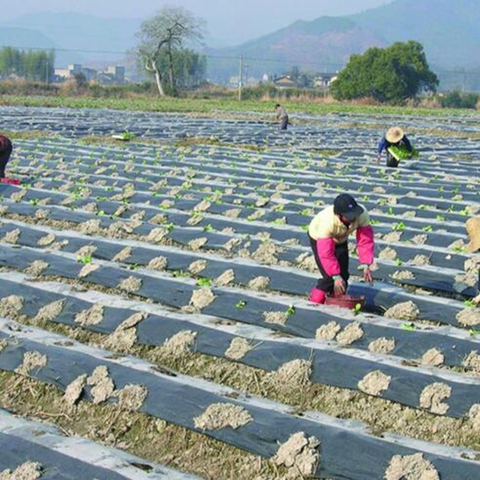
[
  {"x": 328, "y": 233},
  {"x": 397, "y": 146},
  {"x": 5, "y": 152},
  {"x": 473, "y": 229}
]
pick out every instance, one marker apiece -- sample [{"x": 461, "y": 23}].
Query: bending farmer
[
  {"x": 473, "y": 229},
  {"x": 397, "y": 146},
  {"x": 5, "y": 152},
  {"x": 328, "y": 233},
  {"x": 282, "y": 115}
]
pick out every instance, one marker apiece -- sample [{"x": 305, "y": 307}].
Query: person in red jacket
[
  {"x": 5, "y": 152},
  {"x": 328, "y": 233}
]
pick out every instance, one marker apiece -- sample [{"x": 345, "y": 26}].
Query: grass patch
[{"x": 187, "y": 105}]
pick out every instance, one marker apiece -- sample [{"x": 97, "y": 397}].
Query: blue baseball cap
[{"x": 346, "y": 206}]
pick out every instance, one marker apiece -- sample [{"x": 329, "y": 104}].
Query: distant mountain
[
  {"x": 76, "y": 36},
  {"x": 448, "y": 30},
  {"x": 27, "y": 38},
  {"x": 324, "y": 44}
]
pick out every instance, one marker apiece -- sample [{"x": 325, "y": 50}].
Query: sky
[{"x": 228, "y": 21}]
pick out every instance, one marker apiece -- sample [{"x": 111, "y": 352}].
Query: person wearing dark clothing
[
  {"x": 5, "y": 152},
  {"x": 397, "y": 139},
  {"x": 282, "y": 115}
]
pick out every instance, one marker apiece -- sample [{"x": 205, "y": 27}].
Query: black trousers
[
  {"x": 391, "y": 160},
  {"x": 283, "y": 123},
  {"x": 325, "y": 282},
  {"x": 4, "y": 158}
]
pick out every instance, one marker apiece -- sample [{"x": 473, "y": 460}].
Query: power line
[{"x": 226, "y": 57}]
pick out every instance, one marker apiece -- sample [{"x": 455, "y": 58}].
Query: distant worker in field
[
  {"x": 473, "y": 229},
  {"x": 5, "y": 152},
  {"x": 397, "y": 145},
  {"x": 328, "y": 233},
  {"x": 282, "y": 115}
]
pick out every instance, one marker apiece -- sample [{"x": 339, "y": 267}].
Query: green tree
[
  {"x": 162, "y": 37},
  {"x": 391, "y": 74},
  {"x": 34, "y": 66}
]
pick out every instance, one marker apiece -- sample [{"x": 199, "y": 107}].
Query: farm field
[{"x": 154, "y": 320}]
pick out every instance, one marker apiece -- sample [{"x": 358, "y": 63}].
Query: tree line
[
  {"x": 34, "y": 66},
  {"x": 165, "y": 53}
]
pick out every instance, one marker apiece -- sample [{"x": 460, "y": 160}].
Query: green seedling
[
  {"x": 469, "y": 303},
  {"x": 356, "y": 309},
  {"x": 84, "y": 259},
  {"x": 398, "y": 262},
  {"x": 204, "y": 282},
  {"x": 304, "y": 227},
  {"x": 428, "y": 228},
  {"x": 127, "y": 135},
  {"x": 134, "y": 266},
  {"x": 473, "y": 332},
  {"x": 208, "y": 228},
  {"x": 240, "y": 304},
  {"x": 398, "y": 226},
  {"x": 179, "y": 273},
  {"x": 408, "y": 326},
  {"x": 290, "y": 310},
  {"x": 440, "y": 217}
]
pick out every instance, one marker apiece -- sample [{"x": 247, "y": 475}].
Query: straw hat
[
  {"x": 473, "y": 230},
  {"x": 394, "y": 134}
]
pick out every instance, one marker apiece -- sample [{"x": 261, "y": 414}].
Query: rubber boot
[{"x": 317, "y": 296}]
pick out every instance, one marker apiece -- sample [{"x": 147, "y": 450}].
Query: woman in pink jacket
[{"x": 328, "y": 233}]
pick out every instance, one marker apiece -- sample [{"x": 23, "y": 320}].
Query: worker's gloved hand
[
  {"x": 367, "y": 276},
  {"x": 339, "y": 286}
]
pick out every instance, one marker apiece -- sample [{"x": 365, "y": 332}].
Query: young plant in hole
[
  {"x": 428, "y": 228},
  {"x": 398, "y": 226},
  {"x": 290, "y": 310},
  {"x": 356, "y": 309},
  {"x": 240, "y": 304},
  {"x": 84, "y": 259},
  {"x": 204, "y": 282}
]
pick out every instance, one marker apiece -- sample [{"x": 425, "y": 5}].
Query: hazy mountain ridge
[{"x": 446, "y": 28}]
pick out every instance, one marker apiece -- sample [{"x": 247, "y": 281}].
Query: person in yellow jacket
[
  {"x": 328, "y": 233},
  {"x": 473, "y": 229}
]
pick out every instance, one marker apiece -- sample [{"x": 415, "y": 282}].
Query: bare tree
[{"x": 168, "y": 30}]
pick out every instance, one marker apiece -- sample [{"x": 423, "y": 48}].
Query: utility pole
[{"x": 240, "y": 74}]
